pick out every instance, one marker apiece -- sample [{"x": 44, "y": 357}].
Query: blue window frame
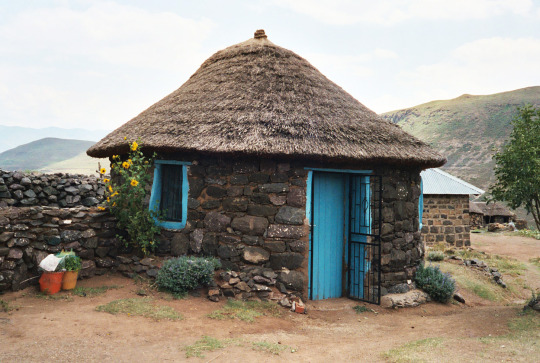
[{"x": 170, "y": 193}]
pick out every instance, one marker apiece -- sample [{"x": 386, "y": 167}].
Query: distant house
[
  {"x": 483, "y": 214},
  {"x": 445, "y": 216}
]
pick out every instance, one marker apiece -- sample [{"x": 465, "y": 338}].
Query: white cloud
[
  {"x": 93, "y": 66},
  {"x": 483, "y": 66},
  {"x": 390, "y": 12}
]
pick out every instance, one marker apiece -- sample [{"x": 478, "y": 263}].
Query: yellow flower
[
  {"x": 106, "y": 180},
  {"x": 134, "y": 146},
  {"x": 114, "y": 204},
  {"x": 101, "y": 208},
  {"x": 129, "y": 161},
  {"x": 146, "y": 161},
  {"x": 108, "y": 200},
  {"x": 134, "y": 183},
  {"x": 114, "y": 194},
  {"x": 110, "y": 189},
  {"x": 125, "y": 165},
  {"x": 102, "y": 171},
  {"x": 125, "y": 138},
  {"x": 115, "y": 156},
  {"x": 112, "y": 166}
]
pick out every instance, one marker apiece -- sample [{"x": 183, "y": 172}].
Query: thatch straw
[
  {"x": 256, "y": 98},
  {"x": 492, "y": 209}
]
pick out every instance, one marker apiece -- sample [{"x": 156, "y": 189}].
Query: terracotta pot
[
  {"x": 51, "y": 282},
  {"x": 70, "y": 280}
]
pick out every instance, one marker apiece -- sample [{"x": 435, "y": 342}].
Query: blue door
[{"x": 328, "y": 235}]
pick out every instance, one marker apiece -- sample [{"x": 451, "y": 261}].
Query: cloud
[
  {"x": 483, "y": 66},
  {"x": 97, "y": 66},
  {"x": 391, "y": 12}
]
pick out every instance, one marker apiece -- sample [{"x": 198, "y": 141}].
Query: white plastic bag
[{"x": 50, "y": 263}]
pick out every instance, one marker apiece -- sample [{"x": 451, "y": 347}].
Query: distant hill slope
[
  {"x": 79, "y": 164},
  {"x": 466, "y": 129},
  {"x": 13, "y": 136},
  {"x": 38, "y": 154}
]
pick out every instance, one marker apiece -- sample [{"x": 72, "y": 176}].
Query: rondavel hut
[{"x": 280, "y": 168}]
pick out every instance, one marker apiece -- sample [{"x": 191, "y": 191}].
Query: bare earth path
[{"x": 66, "y": 331}]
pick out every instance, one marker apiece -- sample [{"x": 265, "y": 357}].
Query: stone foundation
[{"x": 446, "y": 219}]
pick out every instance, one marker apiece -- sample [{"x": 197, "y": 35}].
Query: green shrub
[
  {"x": 435, "y": 256},
  {"x": 438, "y": 285},
  {"x": 185, "y": 273},
  {"x": 72, "y": 263}
]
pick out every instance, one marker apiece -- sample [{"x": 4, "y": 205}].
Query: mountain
[
  {"x": 79, "y": 164},
  {"x": 41, "y": 153},
  {"x": 12, "y": 136},
  {"x": 466, "y": 129}
]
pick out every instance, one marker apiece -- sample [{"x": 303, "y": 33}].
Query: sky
[{"x": 97, "y": 64}]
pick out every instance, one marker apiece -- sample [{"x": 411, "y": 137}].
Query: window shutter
[{"x": 171, "y": 192}]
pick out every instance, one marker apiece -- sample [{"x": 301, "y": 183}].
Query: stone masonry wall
[
  {"x": 19, "y": 189},
  {"x": 402, "y": 248},
  {"x": 29, "y": 234},
  {"x": 446, "y": 219}
]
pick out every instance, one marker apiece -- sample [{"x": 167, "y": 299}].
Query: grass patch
[
  {"x": 414, "y": 351},
  {"x": 361, "y": 309},
  {"x": 272, "y": 348},
  {"x": 205, "y": 344},
  {"x": 5, "y": 306},
  {"x": 505, "y": 265},
  {"x": 55, "y": 297},
  {"x": 535, "y": 261},
  {"x": 529, "y": 233},
  {"x": 93, "y": 291},
  {"x": 245, "y": 310},
  {"x": 140, "y": 307},
  {"x": 474, "y": 281},
  {"x": 435, "y": 256}
]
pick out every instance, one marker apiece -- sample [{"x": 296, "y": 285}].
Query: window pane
[{"x": 171, "y": 192}]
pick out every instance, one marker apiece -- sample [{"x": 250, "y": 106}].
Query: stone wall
[
  {"x": 19, "y": 189},
  {"x": 402, "y": 248},
  {"x": 29, "y": 234},
  {"x": 446, "y": 219}
]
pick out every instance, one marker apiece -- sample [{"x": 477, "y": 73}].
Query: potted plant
[
  {"x": 72, "y": 265},
  {"x": 50, "y": 281}
]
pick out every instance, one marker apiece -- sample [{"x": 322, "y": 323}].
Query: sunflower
[
  {"x": 110, "y": 189},
  {"x": 125, "y": 165},
  {"x": 134, "y": 146},
  {"x": 106, "y": 180},
  {"x": 102, "y": 171},
  {"x": 101, "y": 208},
  {"x": 114, "y": 194},
  {"x": 134, "y": 183},
  {"x": 108, "y": 200}
]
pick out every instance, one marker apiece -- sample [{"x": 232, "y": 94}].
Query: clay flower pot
[
  {"x": 51, "y": 282},
  {"x": 70, "y": 280}
]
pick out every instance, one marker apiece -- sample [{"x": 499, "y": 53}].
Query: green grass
[
  {"x": 5, "y": 306},
  {"x": 529, "y": 233},
  {"x": 58, "y": 296},
  {"x": 535, "y": 261},
  {"x": 361, "y": 309},
  {"x": 272, "y": 348},
  {"x": 140, "y": 307},
  {"x": 414, "y": 351},
  {"x": 93, "y": 291},
  {"x": 205, "y": 344},
  {"x": 477, "y": 283},
  {"x": 245, "y": 310},
  {"x": 505, "y": 265}
]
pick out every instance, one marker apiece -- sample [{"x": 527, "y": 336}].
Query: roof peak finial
[{"x": 259, "y": 34}]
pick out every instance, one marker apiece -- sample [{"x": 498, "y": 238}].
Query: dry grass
[
  {"x": 140, "y": 307},
  {"x": 245, "y": 310}
]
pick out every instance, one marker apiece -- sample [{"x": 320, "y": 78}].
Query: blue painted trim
[
  {"x": 309, "y": 197},
  {"x": 421, "y": 204},
  {"x": 172, "y": 162},
  {"x": 347, "y": 171},
  {"x": 156, "y": 193}
]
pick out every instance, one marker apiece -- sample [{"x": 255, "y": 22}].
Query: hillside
[
  {"x": 79, "y": 164},
  {"x": 38, "y": 154},
  {"x": 466, "y": 129},
  {"x": 13, "y": 136}
]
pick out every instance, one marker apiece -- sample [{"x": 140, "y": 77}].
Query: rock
[
  {"x": 261, "y": 210},
  {"x": 29, "y": 193},
  {"x": 147, "y": 261},
  {"x": 409, "y": 299},
  {"x": 285, "y": 231},
  {"x": 227, "y": 252},
  {"x": 152, "y": 272},
  {"x": 259, "y": 287},
  {"x": 274, "y": 188},
  {"x": 291, "y": 279},
  {"x": 26, "y": 181},
  {"x": 290, "y": 260},
  {"x": 15, "y": 254},
  {"x": 255, "y": 255},
  {"x": 215, "y": 191},
  {"x": 269, "y": 274},
  {"x": 285, "y": 302},
  {"x": 90, "y": 201},
  {"x": 235, "y": 204},
  {"x": 216, "y": 222},
  {"x": 213, "y": 292},
  {"x": 459, "y": 298},
  {"x": 106, "y": 262},
  {"x": 179, "y": 244},
  {"x": 234, "y": 280},
  {"x": 70, "y": 236},
  {"x": 213, "y": 298},
  {"x": 196, "y": 240},
  {"x": 253, "y": 226},
  {"x": 277, "y": 199},
  {"x": 399, "y": 289},
  {"x": 290, "y": 215},
  {"x": 54, "y": 240},
  {"x": 243, "y": 286}
]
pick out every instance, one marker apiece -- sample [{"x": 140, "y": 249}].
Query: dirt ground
[{"x": 66, "y": 330}]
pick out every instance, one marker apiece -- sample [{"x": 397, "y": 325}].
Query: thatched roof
[
  {"x": 492, "y": 209},
  {"x": 255, "y": 98}
]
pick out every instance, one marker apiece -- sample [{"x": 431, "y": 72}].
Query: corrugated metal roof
[{"x": 436, "y": 181}]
